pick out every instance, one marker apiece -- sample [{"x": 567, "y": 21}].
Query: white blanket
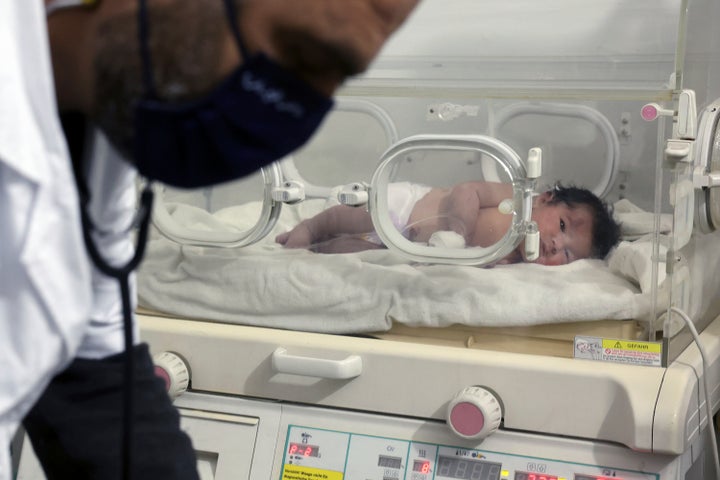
[{"x": 267, "y": 285}]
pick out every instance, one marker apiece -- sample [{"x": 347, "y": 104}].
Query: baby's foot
[
  {"x": 298, "y": 237},
  {"x": 282, "y": 238}
]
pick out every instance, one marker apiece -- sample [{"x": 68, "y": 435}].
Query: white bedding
[{"x": 267, "y": 285}]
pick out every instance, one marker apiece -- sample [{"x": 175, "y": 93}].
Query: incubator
[{"x": 425, "y": 352}]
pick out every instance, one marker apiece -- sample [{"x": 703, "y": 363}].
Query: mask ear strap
[
  {"x": 232, "y": 20},
  {"x": 145, "y": 57}
]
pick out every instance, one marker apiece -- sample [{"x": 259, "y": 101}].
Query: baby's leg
[
  {"x": 345, "y": 244},
  {"x": 298, "y": 237},
  {"x": 334, "y": 221}
]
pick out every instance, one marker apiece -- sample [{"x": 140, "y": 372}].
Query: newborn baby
[{"x": 573, "y": 222}]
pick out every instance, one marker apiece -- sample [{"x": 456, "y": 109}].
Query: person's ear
[{"x": 543, "y": 198}]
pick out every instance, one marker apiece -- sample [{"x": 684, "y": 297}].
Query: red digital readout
[
  {"x": 580, "y": 476},
  {"x": 421, "y": 466},
  {"x": 534, "y": 476},
  {"x": 303, "y": 449}
]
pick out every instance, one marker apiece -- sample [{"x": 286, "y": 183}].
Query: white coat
[{"x": 45, "y": 293}]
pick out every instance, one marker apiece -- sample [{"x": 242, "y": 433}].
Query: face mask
[{"x": 258, "y": 115}]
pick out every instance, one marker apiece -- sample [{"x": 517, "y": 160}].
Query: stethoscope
[{"x": 122, "y": 275}]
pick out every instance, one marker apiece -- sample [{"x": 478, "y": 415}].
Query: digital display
[
  {"x": 580, "y": 476},
  {"x": 467, "y": 469},
  {"x": 421, "y": 466},
  {"x": 303, "y": 449},
  {"x": 389, "y": 462},
  {"x": 533, "y": 476}
]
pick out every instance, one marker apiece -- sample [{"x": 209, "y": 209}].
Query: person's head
[
  {"x": 193, "y": 50},
  {"x": 322, "y": 41},
  {"x": 573, "y": 224}
]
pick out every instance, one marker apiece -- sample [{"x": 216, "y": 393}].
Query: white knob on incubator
[
  {"x": 506, "y": 207},
  {"x": 290, "y": 192},
  {"x": 474, "y": 413},
  {"x": 174, "y": 371},
  {"x": 534, "y": 163}
]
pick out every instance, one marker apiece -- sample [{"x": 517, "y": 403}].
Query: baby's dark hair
[{"x": 605, "y": 231}]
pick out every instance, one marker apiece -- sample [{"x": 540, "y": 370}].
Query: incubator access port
[{"x": 472, "y": 221}]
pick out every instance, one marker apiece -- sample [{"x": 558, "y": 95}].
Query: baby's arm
[
  {"x": 465, "y": 201},
  {"x": 337, "y": 220}
]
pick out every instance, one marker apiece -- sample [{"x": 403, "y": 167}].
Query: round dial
[
  {"x": 173, "y": 370},
  {"x": 474, "y": 413},
  {"x": 707, "y": 161}
]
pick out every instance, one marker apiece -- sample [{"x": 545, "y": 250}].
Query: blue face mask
[{"x": 259, "y": 114}]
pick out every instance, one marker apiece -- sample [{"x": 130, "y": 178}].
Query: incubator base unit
[
  {"x": 311, "y": 406},
  {"x": 268, "y": 440},
  {"x": 242, "y": 438}
]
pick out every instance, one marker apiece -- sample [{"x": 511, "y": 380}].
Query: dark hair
[{"x": 605, "y": 230}]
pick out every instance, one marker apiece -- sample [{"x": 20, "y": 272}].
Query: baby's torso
[{"x": 426, "y": 217}]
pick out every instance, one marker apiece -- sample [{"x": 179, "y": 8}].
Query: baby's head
[{"x": 573, "y": 223}]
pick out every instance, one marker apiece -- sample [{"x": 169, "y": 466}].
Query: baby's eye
[{"x": 562, "y": 225}]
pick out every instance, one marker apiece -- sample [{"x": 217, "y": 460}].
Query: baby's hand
[
  {"x": 298, "y": 237},
  {"x": 446, "y": 239}
]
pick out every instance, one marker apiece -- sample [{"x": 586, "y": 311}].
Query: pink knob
[
  {"x": 649, "y": 112},
  {"x": 164, "y": 375},
  {"x": 467, "y": 419},
  {"x": 474, "y": 413}
]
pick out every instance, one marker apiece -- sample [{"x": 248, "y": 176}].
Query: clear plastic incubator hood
[
  {"x": 487, "y": 93},
  {"x": 430, "y": 293}
]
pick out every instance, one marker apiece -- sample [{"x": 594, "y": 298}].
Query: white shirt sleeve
[{"x": 111, "y": 181}]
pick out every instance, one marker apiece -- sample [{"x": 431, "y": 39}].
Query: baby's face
[{"x": 565, "y": 233}]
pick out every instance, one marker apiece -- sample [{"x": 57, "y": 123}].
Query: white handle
[
  {"x": 290, "y": 192},
  {"x": 349, "y": 367},
  {"x": 354, "y": 194}
]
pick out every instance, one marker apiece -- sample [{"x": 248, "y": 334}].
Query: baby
[{"x": 573, "y": 222}]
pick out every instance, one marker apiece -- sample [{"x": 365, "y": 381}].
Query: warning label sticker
[
  {"x": 297, "y": 472},
  {"x": 621, "y": 351}
]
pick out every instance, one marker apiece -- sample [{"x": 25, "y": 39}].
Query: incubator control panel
[{"x": 312, "y": 453}]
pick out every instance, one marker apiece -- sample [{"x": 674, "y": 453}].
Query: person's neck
[{"x": 71, "y": 51}]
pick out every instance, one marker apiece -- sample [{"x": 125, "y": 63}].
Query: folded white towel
[
  {"x": 636, "y": 222},
  {"x": 634, "y": 261}
]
